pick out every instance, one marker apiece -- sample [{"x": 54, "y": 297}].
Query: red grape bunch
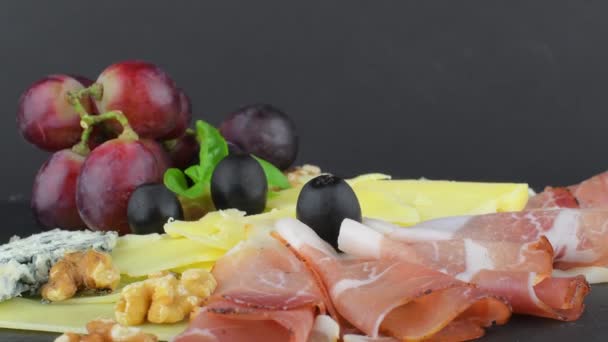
[{"x": 108, "y": 138}]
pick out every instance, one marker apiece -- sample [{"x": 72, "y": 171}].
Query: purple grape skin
[
  {"x": 262, "y": 130},
  {"x": 108, "y": 177},
  {"x": 45, "y": 118},
  {"x": 54, "y": 192},
  {"x": 183, "y": 151}
]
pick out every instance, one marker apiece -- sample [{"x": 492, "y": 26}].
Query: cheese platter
[{"x": 142, "y": 228}]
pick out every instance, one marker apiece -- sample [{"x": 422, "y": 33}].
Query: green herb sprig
[{"x": 213, "y": 148}]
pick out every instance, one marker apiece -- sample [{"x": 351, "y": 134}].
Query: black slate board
[{"x": 592, "y": 326}]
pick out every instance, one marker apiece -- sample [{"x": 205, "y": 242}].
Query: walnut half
[
  {"x": 163, "y": 298},
  {"x": 80, "y": 271},
  {"x": 300, "y": 175},
  {"x": 107, "y": 331}
]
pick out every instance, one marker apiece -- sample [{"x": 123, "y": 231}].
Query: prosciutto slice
[
  {"x": 552, "y": 198},
  {"x": 392, "y": 297},
  {"x": 227, "y": 321},
  {"x": 579, "y": 237},
  {"x": 265, "y": 293},
  {"x": 459, "y": 257},
  {"x": 520, "y": 272},
  {"x": 591, "y": 193}
]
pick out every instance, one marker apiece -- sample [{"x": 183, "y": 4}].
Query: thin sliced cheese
[
  {"x": 386, "y": 206},
  {"x": 162, "y": 254},
  {"x": 133, "y": 240},
  {"x": 224, "y": 229},
  {"x": 101, "y": 299},
  {"x": 29, "y": 314},
  {"x": 204, "y": 265},
  {"x": 105, "y": 299},
  {"x": 220, "y": 229}
]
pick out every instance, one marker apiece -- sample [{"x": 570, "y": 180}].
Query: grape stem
[
  {"x": 75, "y": 97},
  {"x": 88, "y": 121},
  {"x": 95, "y": 91},
  {"x": 82, "y": 147}
]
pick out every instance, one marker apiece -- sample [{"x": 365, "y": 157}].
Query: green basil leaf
[
  {"x": 195, "y": 173},
  {"x": 196, "y": 191},
  {"x": 213, "y": 149},
  {"x": 274, "y": 176},
  {"x": 175, "y": 180}
]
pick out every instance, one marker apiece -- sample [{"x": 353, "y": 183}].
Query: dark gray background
[{"x": 484, "y": 90}]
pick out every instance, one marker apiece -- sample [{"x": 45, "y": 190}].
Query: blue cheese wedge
[{"x": 25, "y": 263}]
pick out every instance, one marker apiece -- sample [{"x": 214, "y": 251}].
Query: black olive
[
  {"x": 239, "y": 182},
  {"x": 324, "y": 202},
  {"x": 149, "y": 208}
]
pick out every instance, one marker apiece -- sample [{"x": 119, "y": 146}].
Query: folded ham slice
[
  {"x": 225, "y": 321},
  {"x": 552, "y": 198},
  {"x": 520, "y": 272},
  {"x": 265, "y": 293},
  {"x": 462, "y": 258},
  {"x": 593, "y": 192},
  {"x": 579, "y": 237},
  {"x": 590, "y": 193},
  {"x": 392, "y": 297}
]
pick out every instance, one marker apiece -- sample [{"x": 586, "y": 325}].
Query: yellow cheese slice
[
  {"x": 134, "y": 240},
  {"x": 105, "y": 299},
  {"x": 141, "y": 258},
  {"x": 407, "y": 202},
  {"x": 374, "y": 204},
  {"x": 29, "y": 314},
  {"x": 218, "y": 229},
  {"x": 434, "y": 199},
  {"x": 368, "y": 177},
  {"x": 225, "y": 228},
  {"x": 204, "y": 265},
  {"x": 386, "y": 206}
]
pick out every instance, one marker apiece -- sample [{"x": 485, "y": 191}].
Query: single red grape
[
  {"x": 264, "y": 131},
  {"x": 45, "y": 117},
  {"x": 108, "y": 177},
  {"x": 54, "y": 192},
  {"x": 184, "y": 119},
  {"x": 183, "y": 151},
  {"x": 162, "y": 156},
  {"x": 145, "y": 94}
]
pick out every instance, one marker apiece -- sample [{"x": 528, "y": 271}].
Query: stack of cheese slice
[{"x": 407, "y": 202}]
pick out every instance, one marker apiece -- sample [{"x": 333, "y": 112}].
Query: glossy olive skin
[
  {"x": 238, "y": 182},
  {"x": 149, "y": 208},
  {"x": 324, "y": 202}
]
